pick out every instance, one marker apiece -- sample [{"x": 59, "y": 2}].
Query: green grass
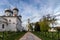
[
  {"x": 48, "y": 35},
  {"x": 11, "y": 35}
]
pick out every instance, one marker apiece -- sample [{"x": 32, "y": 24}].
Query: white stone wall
[
  {"x": 19, "y": 25},
  {"x": 3, "y": 29},
  {"x": 11, "y": 24},
  {"x": 2, "y": 21}
]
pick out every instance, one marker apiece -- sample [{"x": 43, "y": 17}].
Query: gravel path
[{"x": 29, "y": 36}]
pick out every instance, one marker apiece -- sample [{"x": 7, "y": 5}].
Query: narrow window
[
  {"x": 13, "y": 23},
  {"x": 9, "y": 20},
  {"x": 3, "y": 26}
]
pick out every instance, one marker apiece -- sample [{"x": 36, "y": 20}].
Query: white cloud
[
  {"x": 43, "y": 9},
  {"x": 36, "y": 9}
]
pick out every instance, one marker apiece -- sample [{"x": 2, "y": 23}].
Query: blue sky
[{"x": 33, "y": 9}]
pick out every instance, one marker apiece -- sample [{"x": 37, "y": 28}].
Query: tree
[
  {"x": 51, "y": 20},
  {"x": 46, "y": 21},
  {"x": 44, "y": 24},
  {"x": 37, "y": 26}
]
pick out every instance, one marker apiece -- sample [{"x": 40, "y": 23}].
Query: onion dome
[
  {"x": 15, "y": 9},
  {"x": 8, "y": 10}
]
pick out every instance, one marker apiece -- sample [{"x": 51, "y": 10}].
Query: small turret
[
  {"x": 8, "y": 12},
  {"x": 15, "y": 12}
]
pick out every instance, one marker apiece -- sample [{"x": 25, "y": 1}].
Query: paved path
[{"x": 29, "y": 36}]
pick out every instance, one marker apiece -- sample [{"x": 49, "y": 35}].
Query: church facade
[{"x": 11, "y": 21}]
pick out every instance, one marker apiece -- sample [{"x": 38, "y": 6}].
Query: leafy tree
[
  {"x": 44, "y": 25},
  {"x": 46, "y": 21},
  {"x": 51, "y": 20},
  {"x": 37, "y": 26}
]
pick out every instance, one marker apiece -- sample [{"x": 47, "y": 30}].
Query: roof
[
  {"x": 13, "y": 16},
  {"x": 3, "y": 18},
  {"x": 8, "y": 10},
  {"x": 3, "y": 21},
  {"x": 15, "y": 9}
]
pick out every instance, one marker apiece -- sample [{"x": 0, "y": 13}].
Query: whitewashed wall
[
  {"x": 2, "y": 21},
  {"x": 11, "y": 25},
  {"x": 3, "y": 29},
  {"x": 19, "y": 25}
]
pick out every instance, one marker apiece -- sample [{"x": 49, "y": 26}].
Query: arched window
[
  {"x": 3, "y": 26},
  {"x": 9, "y": 20}
]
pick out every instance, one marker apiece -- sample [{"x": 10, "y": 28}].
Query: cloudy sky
[{"x": 33, "y": 9}]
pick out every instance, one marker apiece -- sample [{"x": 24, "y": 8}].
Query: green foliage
[
  {"x": 44, "y": 24},
  {"x": 12, "y": 35},
  {"x": 46, "y": 21},
  {"x": 37, "y": 26},
  {"x": 48, "y": 35}
]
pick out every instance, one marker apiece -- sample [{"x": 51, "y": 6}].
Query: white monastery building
[{"x": 11, "y": 21}]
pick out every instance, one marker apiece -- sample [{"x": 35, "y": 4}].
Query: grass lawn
[
  {"x": 48, "y": 35},
  {"x": 11, "y": 35}
]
